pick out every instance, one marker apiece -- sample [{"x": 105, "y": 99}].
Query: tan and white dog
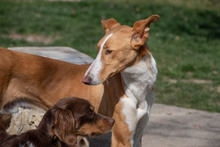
[{"x": 122, "y": 78}]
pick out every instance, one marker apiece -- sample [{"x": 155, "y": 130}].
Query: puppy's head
[{"x": 75, "y": 116}]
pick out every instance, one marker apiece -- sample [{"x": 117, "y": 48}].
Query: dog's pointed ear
[
  {"x": 109, "y": 24},
  {"x": 140, "y": 31},
  {"x": 63, "y": 126}
]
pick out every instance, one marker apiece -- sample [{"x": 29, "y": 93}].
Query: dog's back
[{"x": 41, "y": 79}]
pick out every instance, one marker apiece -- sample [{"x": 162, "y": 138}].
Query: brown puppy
[{"x": 60, "y": 126}]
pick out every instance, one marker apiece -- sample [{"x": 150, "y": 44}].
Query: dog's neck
[{"x": 139, "y": 78}]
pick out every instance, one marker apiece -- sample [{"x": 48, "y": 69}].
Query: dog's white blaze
[
  {"x": 96, "y": 66},
  {"x": 139, "y": 80}
]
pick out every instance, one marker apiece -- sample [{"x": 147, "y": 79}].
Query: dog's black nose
[{"x": 87, "y": 80}]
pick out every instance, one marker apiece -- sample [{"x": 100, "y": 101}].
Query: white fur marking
[
  {"x": 139, "y": 80},
  {"x": 130, "y": 112},
  {"x": 95, "y": 68}
]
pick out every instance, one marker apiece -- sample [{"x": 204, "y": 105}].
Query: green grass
[{"x": 185, "y": 41}]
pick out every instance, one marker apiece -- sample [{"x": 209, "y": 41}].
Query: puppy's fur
[{"x": 60, "y": 126}]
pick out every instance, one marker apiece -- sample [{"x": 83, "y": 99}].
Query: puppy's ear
[
  {"x": 109, "y": 24},
  {"x": 63, "y": 126},
  {"x": 77, "y": 122},
  {"x": 140, "y": 30}
]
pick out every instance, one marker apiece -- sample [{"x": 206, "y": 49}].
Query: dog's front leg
[
  {"x": 143, "y": 113},
  {"x": 125, "y": 116},
  {"x": 140, "y": 128}
]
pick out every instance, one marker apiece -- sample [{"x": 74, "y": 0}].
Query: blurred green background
[{"x": 185, "y": 41}]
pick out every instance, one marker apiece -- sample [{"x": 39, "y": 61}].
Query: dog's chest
[
  {"x": 138, "y": 86},
  {"x": 140, "y": 78}
]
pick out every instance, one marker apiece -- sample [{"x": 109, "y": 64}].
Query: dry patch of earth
[
  {"x": 218, "y": 89},
  {"x": 33, "y": 38},
  {"x": 65, "y": 0},
  {"x": 195, "y": 81}
]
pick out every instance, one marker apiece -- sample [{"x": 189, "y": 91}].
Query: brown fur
[
  {"x": 5, "y": 120},
  {"x": 46, "y": 80},
  {"x": 121, "y": 130}
]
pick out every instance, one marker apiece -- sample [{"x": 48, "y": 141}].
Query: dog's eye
[{"x": 107, "y": 52}]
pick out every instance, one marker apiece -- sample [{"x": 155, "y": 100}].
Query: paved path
[{"x": 169, "y": 126}]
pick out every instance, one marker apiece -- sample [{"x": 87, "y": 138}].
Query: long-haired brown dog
[{"x": 60, "y": 126}]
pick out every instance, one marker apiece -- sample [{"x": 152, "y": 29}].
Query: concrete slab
[
  {"x": 169, "y": 126},
  {"x": 60, "y": 53}
]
